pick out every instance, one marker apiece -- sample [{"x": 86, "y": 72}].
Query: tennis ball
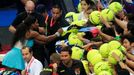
[
  {"x": 107, "y": 14},
  {"x": 94, "y": 17},
  {"x": 116, "y": 7},
  {"x": 91, "y": 53},
  {"x": 101, "y": 66},
  {"x": 111, "y": 59},
  {"x": 94, "y": 56},
  {"x": 73, "y": 40},
  {"x": 79, "y": 7},
  {"x": 77, "y": 53},
  {"x": 86, "y": 66},
  {"x": 69, "y": 14},
  {"x": 79, "y": 23},
  {"x": 104, "y": 51},
  {"x": 105, "y": 73},
  {"x": 114, "y": 45}
]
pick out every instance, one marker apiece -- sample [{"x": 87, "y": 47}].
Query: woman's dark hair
[
  {"x": 22, "y": 29},
  {"x": 89, "y": 2}
]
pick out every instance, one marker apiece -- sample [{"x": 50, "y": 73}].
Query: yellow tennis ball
[
  {"x": 94, "y": 17},
  {"x": 111, "y": 59},
  {"x": 94, "y": 56},
  {"x": 77, "y": 53},
  {"x": 79, "y": 23},
  {"x": 79, "y": 7},
  {"x": 116, "y": 7},
  {"x": 91, "y": 53},
  {"x": 105, "y": 73},
  {"x": 104, "y": 50},
  {"x": 86, "y": 66},
  {"x": 107, "y": 14},
  {"x": 69, "y": 14},
  {"x": 74, "y": 40},
  {"x": 114, "y": 45},
  {"x": 101, "y": 66}
]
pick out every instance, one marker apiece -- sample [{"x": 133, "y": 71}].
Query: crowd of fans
[{"x": 96, "y": 40}]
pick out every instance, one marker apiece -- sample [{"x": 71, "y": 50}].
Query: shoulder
[{"x": 37, "y": 64}]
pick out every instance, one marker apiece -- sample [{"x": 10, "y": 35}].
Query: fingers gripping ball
[
  {"x": 102, "y": 66},
  {"x": 107, "y": 14},
  {"x": 94, "y": 17},
  {"x": 94, "y": 56},
  {"x": 105, "y": 73},
  {"x": 104, "y": 51},
  {"x": 77, "y": 53},
  {"x": 111, "y": 59},
  {"x": 116, "y": 7}
]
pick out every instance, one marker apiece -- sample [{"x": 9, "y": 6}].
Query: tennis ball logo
[
  {"x": 94, "y": 17},
  {"x": 94, "y": 56},
  {"x": 102, "y": 66},
  {"x": 111, "y": 59},
  {"x": 77, "y": 53},
  {"x": 104, "y": 51},
  {"x": 73, "y": 40},
  {"x": 105, "y": 73},
  {"x": 107, "y": 14},
  {"x": 116, "y": 7}
]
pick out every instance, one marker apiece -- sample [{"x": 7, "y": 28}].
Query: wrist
[{"x": 57, "y": 34}]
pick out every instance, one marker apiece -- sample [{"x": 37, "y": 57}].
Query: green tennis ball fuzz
[
  {"x": 107, "y": 14},
  {"x": 116, "y": 7},
  {"x": 102, "y": 66},
  {"x": 104, "y": 51},
  {"x": 111, "y": 59},
  {"x": 105, "y": 73},
  {"x": 73, "y": 40},
  {"x": 77, "y": 53},
  {"x": 114, "y": 45},
  {"x": 94, "y": 17},
  {"x": 94, "y": 56}
]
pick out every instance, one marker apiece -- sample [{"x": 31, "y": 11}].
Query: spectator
[
  {"x": 24, "y": 35},
  {"x": 69, "y": 66},
  {"x": 54, "y": 62},
  {"x": 29, "y": 7},
  {"x": 32, "y": 65},
  {"x": 53, "y": 24}
]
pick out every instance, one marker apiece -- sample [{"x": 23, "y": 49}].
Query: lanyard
[
  {"x": 52, "y": 22},
  {"x": 46, "y": 19},
  {"x": 46, "y": 24},
  {"x": 29, "y": 64}
]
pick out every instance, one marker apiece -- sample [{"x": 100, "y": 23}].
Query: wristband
[
  {"x": 117, "y": 37},
  {"x": 57, "y": 34}
]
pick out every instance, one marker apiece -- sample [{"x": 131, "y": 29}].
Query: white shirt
[{"x": 34, "y": 67}]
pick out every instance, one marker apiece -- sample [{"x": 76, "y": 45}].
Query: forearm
[
  {"x": 130, "y": 56},
  {"x": 122, "y": 24},
  {"x": 130, "y": 63}
]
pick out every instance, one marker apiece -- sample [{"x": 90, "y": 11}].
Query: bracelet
[
  {"x": 57, "y": 34},
  {"x": 117, "y": 37}
]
